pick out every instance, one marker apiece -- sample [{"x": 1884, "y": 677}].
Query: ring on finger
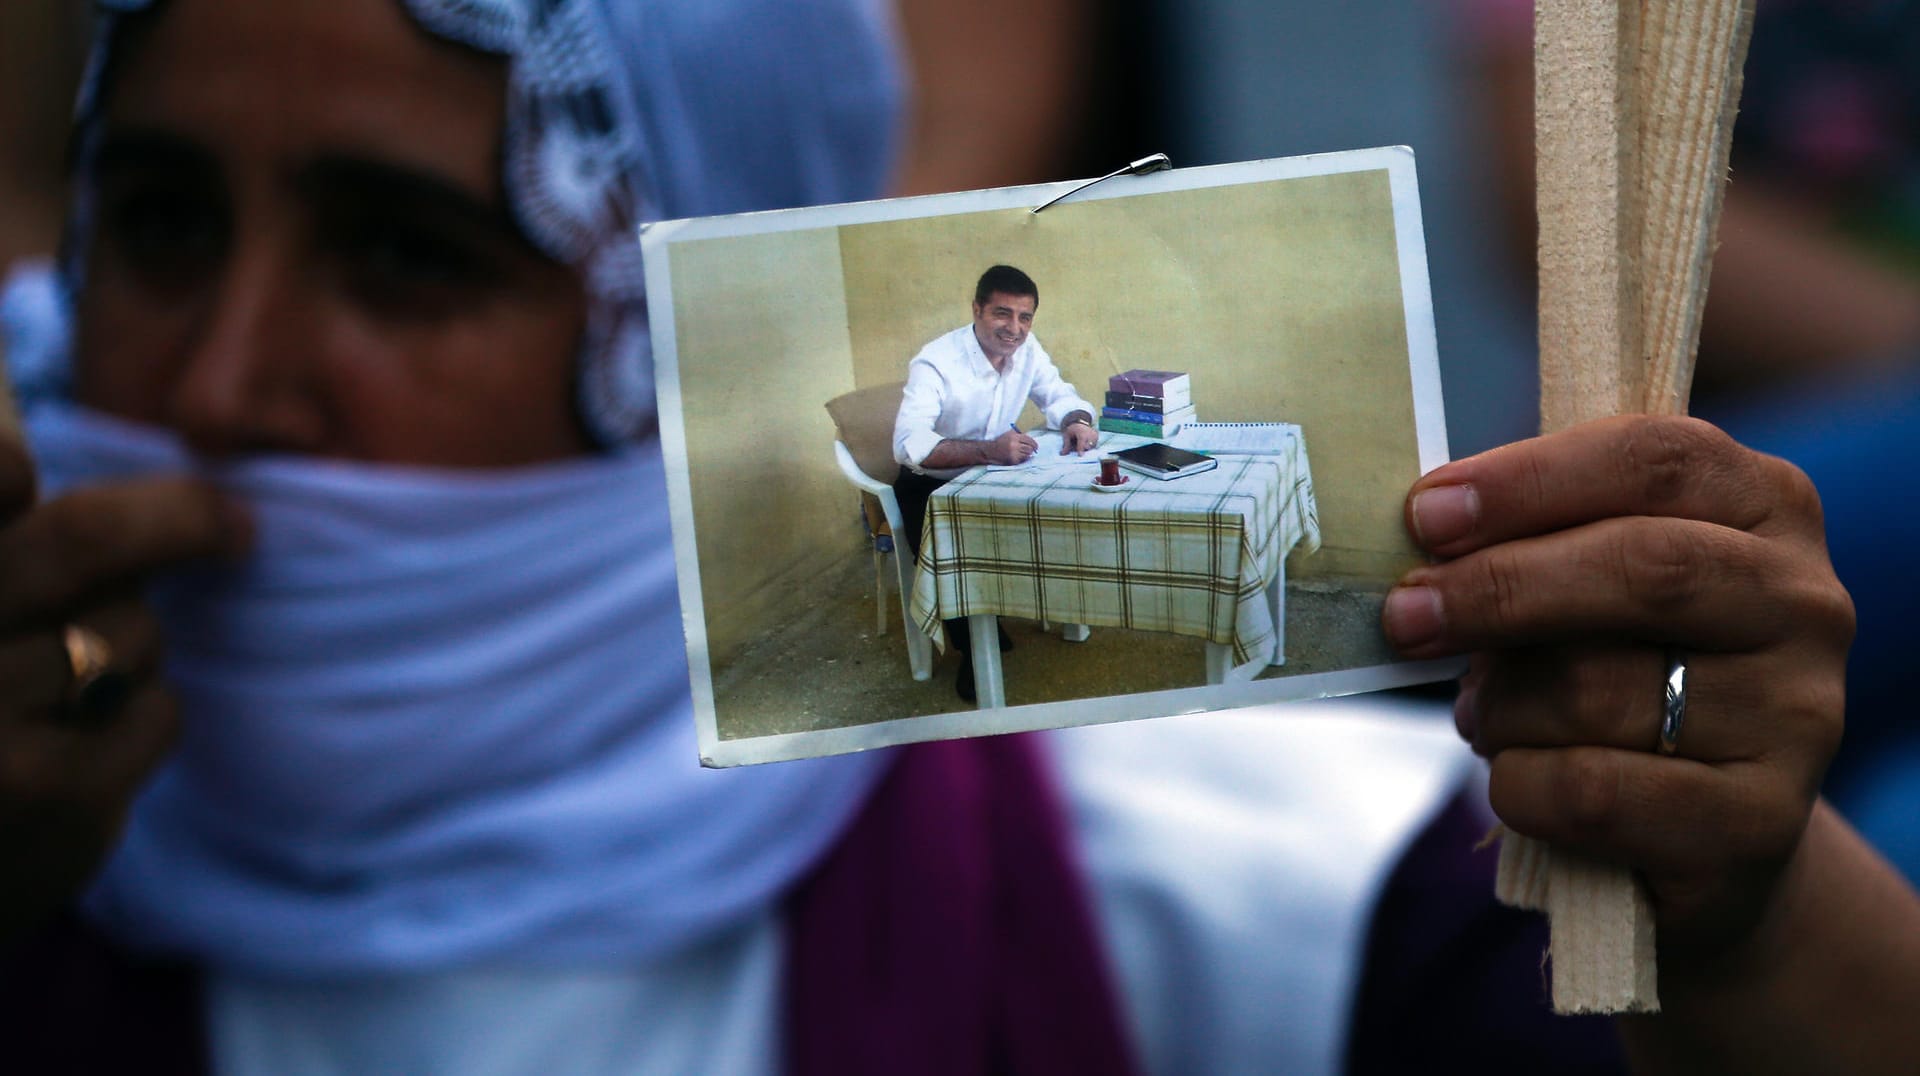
[
  {"x": 1676, "y": 709},
  {"x": 97, "y": 688}
]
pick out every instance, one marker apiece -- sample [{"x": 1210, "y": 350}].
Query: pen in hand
[{"x": 1015, "y": 427}]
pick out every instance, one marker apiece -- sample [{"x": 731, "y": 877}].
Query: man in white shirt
[{"x": 965, "y": 390}]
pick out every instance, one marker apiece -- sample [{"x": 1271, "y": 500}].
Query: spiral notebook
[{"x": 1236, "y": 438}]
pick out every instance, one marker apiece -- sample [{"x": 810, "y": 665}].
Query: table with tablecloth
[{"x": 1202, "y": 555}]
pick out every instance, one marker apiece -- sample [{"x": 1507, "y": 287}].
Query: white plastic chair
[{"x": 919, "y": 647}]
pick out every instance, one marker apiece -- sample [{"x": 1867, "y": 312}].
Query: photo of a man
[
  {"x": 964, "y": 391},
  {"x": 950, "y": 557}
]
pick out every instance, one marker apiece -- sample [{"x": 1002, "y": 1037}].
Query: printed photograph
[{"x": 946, "y": 466}]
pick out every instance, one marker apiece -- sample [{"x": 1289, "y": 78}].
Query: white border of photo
[{"x": 1430, "y": 434}]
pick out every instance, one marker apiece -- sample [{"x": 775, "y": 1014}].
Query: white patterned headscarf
[{"x": 574, "y": 173}]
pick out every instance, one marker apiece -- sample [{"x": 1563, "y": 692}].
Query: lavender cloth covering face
[{"x": 423, "y": 734}]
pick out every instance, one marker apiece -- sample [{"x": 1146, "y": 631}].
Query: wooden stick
[
  {"x": 1586, "y": 135},
  {"x": 1586, "y": 104},
  {"x": 1689, "y": 92},
  {"x": 1634, "y": 106}
]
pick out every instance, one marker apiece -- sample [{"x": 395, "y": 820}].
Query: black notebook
[{"x": 1164, "y": 461}]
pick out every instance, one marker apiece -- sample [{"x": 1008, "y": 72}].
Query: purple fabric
[
  {"x": 1453, "y": 980},
  {"x": 949, "y": 932}
]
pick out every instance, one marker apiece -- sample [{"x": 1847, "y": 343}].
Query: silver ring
[{"x": 1676, "y": 715}]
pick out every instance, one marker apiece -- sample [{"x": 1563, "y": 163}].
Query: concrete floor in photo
[{"x": 829, "y": 668}]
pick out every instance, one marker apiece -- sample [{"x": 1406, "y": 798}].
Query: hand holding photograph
[{"x": 896, "y": 514}]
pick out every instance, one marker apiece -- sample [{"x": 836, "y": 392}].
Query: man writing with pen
[{"x": 964, "y": 391}]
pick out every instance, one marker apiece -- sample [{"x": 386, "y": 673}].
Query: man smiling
[{"x": 965, "y": 390}]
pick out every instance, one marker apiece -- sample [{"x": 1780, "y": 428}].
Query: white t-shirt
[{"x": 1234, "y": 860}]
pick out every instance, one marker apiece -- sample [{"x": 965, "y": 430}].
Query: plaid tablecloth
[{"x": 1191, "y": 555}]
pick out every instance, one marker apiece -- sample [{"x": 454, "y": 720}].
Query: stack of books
[{"x": 1150, "y": 403}]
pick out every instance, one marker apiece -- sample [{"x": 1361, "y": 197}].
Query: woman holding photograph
[
  {"x": 434, "y": 806},
  {"x": 356, "y": 296}
]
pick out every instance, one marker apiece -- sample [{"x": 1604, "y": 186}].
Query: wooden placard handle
[{"x": 1634, "y": 104}]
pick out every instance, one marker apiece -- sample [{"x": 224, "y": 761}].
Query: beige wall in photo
[
  {"x": 1282, "y": 299},
  {"x": 762, "y": 339}
]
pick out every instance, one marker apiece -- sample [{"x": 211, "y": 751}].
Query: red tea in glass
[{"x": 1109, "y": 470}]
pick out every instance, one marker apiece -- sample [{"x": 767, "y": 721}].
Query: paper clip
[{"x": 1156, "y": 163}]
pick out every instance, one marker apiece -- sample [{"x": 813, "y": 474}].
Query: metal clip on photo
[{"x": 1156, "y": 163}]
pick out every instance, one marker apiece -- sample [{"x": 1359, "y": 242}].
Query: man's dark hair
[{"x": 1006, "y": 280}]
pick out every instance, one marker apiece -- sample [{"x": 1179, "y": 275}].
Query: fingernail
[
  {"x": 1412, "y": 617},
  {"x": 1445, "y": 514}
]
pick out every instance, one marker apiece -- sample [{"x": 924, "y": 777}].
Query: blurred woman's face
[{"x": 301, "y": 245}]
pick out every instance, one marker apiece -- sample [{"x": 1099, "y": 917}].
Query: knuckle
[
  {"x": 1606, "y": 696},
  {"x": 1589, "y": 790},
  {"x": 1800, "y": 597},
  {"x": 1795, "y": 498},
  {"x": 1742, "y": 481},
  {"x": 1813, "y": 713},
  {"x": 1494, "y": 592},
  {"x": 1659, "y": 564},
  {"x": 1827, "y": 610},
  {"x": 1669, "y": 458},
  {"x": 1823, "y": 610},
  {"x": 1825, "y": 722},
  {"x": 1545, "y": 699},
  {"x": 1534, "y": 482},
  {"x": 1843, "y": 618},
  {"x": 1657, "y": 455}
]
